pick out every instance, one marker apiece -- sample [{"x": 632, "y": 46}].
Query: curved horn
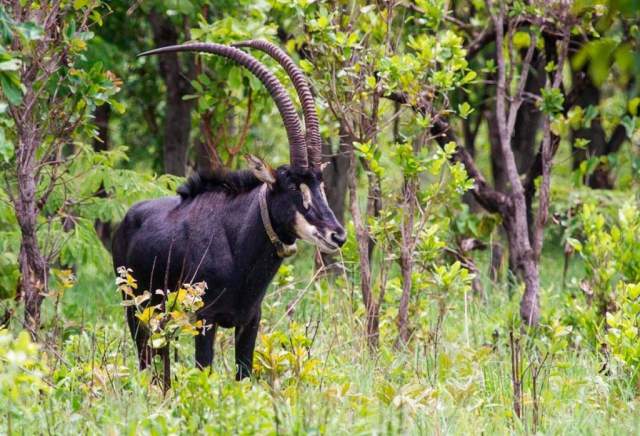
[
  {"x": 278, "y": 92},
  {"x": 300, "y": 82}
]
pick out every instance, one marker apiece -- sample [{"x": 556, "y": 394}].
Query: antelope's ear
[{"x": 261, "y": 169}]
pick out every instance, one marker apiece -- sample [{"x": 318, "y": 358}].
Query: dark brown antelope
[{"x": 232, "y": 229}]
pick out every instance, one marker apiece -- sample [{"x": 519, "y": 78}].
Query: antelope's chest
[{"x": 236, "y": 288}]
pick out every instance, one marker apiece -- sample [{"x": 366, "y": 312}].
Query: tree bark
[
  {"x": 33, "y": 266},
  {"x": 335, "y": 177},
  {"x": 527, "y": 124},
  {"x": 515, "y": 211},
  {"x": 335, "y": 174},
  {"x": 495, "y": 265},
  {"x": 177, "y": 121},
  {"x": 363, "y": 238},
  {"x": 35, "y": 73},
  {"x": 406, "y": 257},
  {"x": 529, "y": 118},
  {"x": 101, "y": 117},
  {"x": 498, "y": 169}
]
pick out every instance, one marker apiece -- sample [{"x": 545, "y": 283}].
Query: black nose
[{"x": 339, "y": 237}]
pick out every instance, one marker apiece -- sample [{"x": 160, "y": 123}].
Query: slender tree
[{"x": 50, "y": 100}]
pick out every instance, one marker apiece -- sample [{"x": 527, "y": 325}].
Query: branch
[
  {"x": 517, "y": 100},
  {"x": 210, "y": 142},
  {"x": 492, "y": 200},
  {"x": 617, "y": 138},
  {"x": 487, "y": 36},
  {"x": 547, "y": 155},
  {"x": 245, "y": 127},
  {"x": 501, "y": 109}
]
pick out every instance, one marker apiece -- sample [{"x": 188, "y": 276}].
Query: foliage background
[{"x": 315, "y": 370}]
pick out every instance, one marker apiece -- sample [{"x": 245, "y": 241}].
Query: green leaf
[
  {"x": 235, "y": 78},
  {"x": 29, "y": 31},
  {"x": 6, "y": 148},
  {"x": 11, "y": 87},
  {"x": 322, "y": 22},
  {"x": 521, "y": 40},
  {"x": 575, "y": 244},
  {"x": 629, "y": 124},
  {"x": 464, "y": 110},
  {"x": 10, "y": 65},
  {"x": 633, "y": 106},
  {"x": 590, "y": 113},
  {"x": 469, "y": 77},
  {"x": 117, "y": 106},
  {"x": 575, "y": 117},
  {"x": 306, "y": 66},
  {"x": 633, "y": 290},
  {"x": 552, "y": 101},
  {"x": 79, "y": 4},
  {"x": 450, "y": 148},
  {"x": 550, "y": 67},
  {"x": 371, "y": 82},
  {"x": 581, "y": 143}
]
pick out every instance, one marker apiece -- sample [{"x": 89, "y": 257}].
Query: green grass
[{"x": 315, "y": 374}]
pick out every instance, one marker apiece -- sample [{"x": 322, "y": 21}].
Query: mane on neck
[{"x": 229, "y": 182}]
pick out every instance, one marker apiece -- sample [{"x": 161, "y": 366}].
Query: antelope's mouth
[{"x": 324, "y": 245}]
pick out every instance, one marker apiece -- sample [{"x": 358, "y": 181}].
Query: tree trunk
[
  {"x": 498, "y": 168},
  {"x": 363, "y": 238},
  {"x": 406, "y": 258},
  {"x": 529, "y": 118},
  {"x": 598, "y": 145},
  {"x": 470, "y": 128},
  {"x": 335, "y": 174},
  {"x": 523, "y": 258},
  {"x": 101, "y": 117},
  {"x": 495, "y": 266},
  {"x": 178, "y": 111},
  {"x": 335, "y": 178},
  {"x": 33, "y": 267}
]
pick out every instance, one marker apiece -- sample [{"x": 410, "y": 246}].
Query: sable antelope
[{"x": 233, "y": 229}]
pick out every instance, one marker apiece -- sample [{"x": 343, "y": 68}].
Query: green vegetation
[
  {"x": 314, "y": 372},
  {"x": 490, "y": 282}
]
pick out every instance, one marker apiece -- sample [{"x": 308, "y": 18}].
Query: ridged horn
[
  {"x": 300, "y": 82},
  {"x": 279, "y": 94}
]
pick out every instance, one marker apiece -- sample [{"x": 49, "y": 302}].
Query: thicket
[{"x": 483, "y": 156}]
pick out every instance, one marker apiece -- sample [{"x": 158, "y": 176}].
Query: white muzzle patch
[{"x": 309, "y": 233}]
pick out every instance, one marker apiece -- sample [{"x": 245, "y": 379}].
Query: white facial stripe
[
  {"x": 324, "y": 195},
  {"x": 306, "y": 195},
  {"x": 304, "y": 229}
]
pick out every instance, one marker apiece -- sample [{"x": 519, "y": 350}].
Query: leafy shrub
[
  {"x": 611, "y": 253},
  {"x": 174, "y": 316},
  {"x": 22, "y": 373},
  {"x": 623, "y": 335}
]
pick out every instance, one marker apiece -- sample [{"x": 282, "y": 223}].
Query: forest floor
[{"x": 315, "y": 374}]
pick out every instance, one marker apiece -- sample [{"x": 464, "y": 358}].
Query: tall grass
[{"x": 315, "y": 374}]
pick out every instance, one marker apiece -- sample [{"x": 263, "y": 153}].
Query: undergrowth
[{"x": 314, "y": 372}]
